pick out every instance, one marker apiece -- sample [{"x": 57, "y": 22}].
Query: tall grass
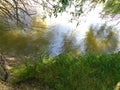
[{"x": 66, "y": 72}]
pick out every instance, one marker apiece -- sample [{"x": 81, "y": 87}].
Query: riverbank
[{"x": 67, "y": 72}]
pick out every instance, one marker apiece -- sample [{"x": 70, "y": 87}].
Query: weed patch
[{"x": 66, "y": 72}]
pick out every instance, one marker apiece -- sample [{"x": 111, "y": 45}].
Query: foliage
[
  {"x": 90, "y": 38},
  {"x": 18, "y": 42},
  {"x": 13, "y": 9},
  {"x": 4, "y": 25},
  {"x": 112, "y": 7},
  {"x": 17, "y": 10},
  {"x": 68, "y": 46},
  {"x": 102, "y": 40},
  {"x": 66, "y": 72},
  {"x": 38, "y": 24}
]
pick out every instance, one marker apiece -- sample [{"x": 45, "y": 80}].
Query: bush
[{"x": 66, "y": 72}]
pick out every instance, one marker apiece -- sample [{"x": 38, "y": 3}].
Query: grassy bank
[{"x": 66, "y": 72}]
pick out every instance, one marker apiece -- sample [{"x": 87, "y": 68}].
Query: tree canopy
[
  {"x": 14, "y": 8},
  {"x": 112, "y": 7}
]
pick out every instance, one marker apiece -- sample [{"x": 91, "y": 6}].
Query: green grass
[{"x": 66, "y": 72}]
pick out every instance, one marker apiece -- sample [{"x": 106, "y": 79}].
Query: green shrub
[{"x": 66, "y": 72}]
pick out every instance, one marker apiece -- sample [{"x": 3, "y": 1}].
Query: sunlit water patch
[{"x": 61, "y": 27}]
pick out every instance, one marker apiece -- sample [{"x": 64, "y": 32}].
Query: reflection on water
[
  {"x": 63, "y": 31},
  {"x": 68, "y": 33}
]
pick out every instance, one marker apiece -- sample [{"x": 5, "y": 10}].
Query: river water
[{"x": 65, "y": 27}]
